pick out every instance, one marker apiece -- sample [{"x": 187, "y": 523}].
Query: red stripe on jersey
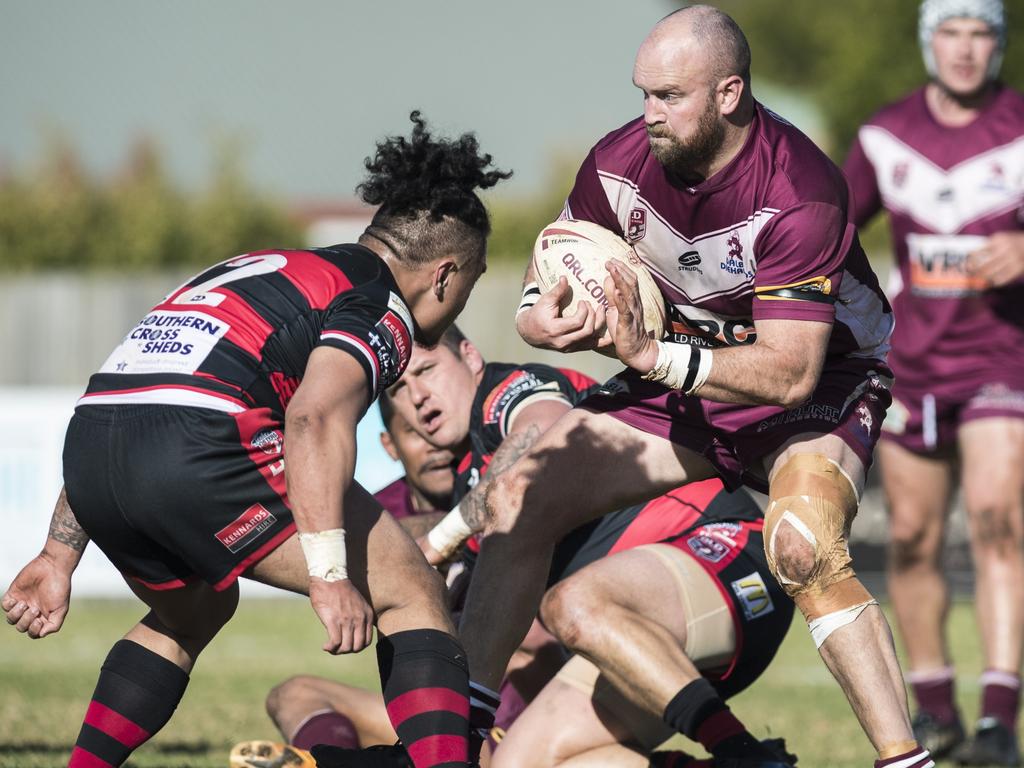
[
  {"x": 115, "y": 724},
  {"x": 82, "y": 758},
  {"x": 698, "y": 494},
  {"x": 317, "y": 279},
  {"x": 579, "y": 381},
  {"x": 246, "y": 327}
]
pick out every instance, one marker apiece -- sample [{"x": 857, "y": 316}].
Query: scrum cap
[{"x": 934, "y": 12}]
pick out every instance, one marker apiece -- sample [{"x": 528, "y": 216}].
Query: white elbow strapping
[
  {"x": 681, "y": 366},
  {"x": 823, "y": 626},
  {"x": 447, "y": 536},
  {"x": 325, "y": 554}
]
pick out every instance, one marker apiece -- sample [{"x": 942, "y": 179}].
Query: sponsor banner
[
  {"x": 166, "y": 341},
  {"x": 753, "y": 596}
]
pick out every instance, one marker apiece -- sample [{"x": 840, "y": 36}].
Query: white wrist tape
[
  {"x": 325, "y": 554},
  {"x": 531, "y": 292},
  {"x": 447, "y": 536},
  {"x": 680, "y": 366}
]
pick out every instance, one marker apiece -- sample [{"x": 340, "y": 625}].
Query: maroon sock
[
  {"x": 426, "y": 689},
  {"x": 935, "y": 695},
  {"x": 1000, "y": 697},
  {"x": 512, "y": 706},
  {"x": 915, "y": 758},
  {"x": 326, "y": 727},
  {"x": 136, "y": 694},
  {"x": 699, "y": 713}
]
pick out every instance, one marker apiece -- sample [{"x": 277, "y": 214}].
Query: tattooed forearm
[
  {"x": 473, "y": 506},
  {"x": 420, "y": 525},
  {"x": 64, "y": 527}
]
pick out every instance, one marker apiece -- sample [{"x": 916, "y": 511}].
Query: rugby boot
[
  {"x": 380, "y": 756},
  {"x": 774, "y": 756},
  {"x": 992, "y": 744},
  {"x": 938, "y": 738},
  {"x": 269, "y": 754}
]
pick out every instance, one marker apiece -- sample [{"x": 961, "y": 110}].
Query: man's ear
[
  {"x": 443, "y": 273},
  {"x": 730, "y": 91},
  {"x": 471, "y": 355},
  {"x": 389, "y": 445}
]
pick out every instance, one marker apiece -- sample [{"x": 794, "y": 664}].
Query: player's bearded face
[{"x": 683, "y": 154}]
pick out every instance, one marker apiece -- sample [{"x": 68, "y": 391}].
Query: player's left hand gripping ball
[{"x": 634, "y": 344}]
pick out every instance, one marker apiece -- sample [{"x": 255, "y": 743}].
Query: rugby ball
[{"x": 578, "y": 251}]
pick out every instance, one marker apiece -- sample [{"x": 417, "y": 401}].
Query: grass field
[{"x": 45, "y": 686}]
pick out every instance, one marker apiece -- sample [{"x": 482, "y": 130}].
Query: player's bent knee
[
  {"x": 811, "y": 507},
  {"x": 295, "y": 687},
  {"x": 568, "y": 611},
  {"x": 806, "y": 529}
]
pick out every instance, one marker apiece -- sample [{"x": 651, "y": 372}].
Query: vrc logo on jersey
[
  {"x": 637, "y": 225},
  {"x": 996, "y": 180},
  {"x": 753, "y": 596}
]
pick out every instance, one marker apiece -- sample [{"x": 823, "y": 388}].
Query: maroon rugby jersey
[
  {"x": 767, "y": 237},
  {"x": 946, "y": 190},
  {"x": 238, "y": 335},
  {"x": 396, "y": 498}
]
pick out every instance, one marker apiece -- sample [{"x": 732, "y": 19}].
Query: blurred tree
[
  {"x": 850, "y": 57},
  {"x": 56, "y": 216}
]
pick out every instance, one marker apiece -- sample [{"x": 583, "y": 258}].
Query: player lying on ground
[
  {"x": 174, "y": 462},
  {"x": 941, "y": 161},
  {"x": 709, "y": 577},
  {"x": 774, "y": 377}
]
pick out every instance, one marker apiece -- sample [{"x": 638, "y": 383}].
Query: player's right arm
[
  {"x": 38, "y": 599},
  {"x": 320, "y": 459},
  {"x": 542, "y": 325}
]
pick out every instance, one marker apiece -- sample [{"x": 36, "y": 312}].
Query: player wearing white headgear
[{"x": 948, "y": 163}]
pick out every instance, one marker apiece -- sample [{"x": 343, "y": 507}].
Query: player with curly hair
[{"x": 174, "y": 461}]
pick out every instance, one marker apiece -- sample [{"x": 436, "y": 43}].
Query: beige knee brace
[{"x": 816, "y": 499}]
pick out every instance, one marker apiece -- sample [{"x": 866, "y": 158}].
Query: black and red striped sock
[
  {"x": 426, "y": 689},
  {"x": 699, "y": 713},
  {"x": 136, "y": 695}
]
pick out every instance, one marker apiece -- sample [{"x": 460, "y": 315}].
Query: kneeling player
[
  {"x": 174, "y": 459},
  {"x": 511, "y": 406}
]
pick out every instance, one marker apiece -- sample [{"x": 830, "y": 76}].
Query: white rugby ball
[{"x": 578, "y": 251}]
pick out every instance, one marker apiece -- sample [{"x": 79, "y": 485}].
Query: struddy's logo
[
  {"x": 637, "y": 225},
  {"x": 246, "y": 528},
  {"x": 753, "y": 596},
  {"x": 690, "y": 262}
]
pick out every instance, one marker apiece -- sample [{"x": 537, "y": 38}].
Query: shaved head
[{"x": 714, "y": 33}]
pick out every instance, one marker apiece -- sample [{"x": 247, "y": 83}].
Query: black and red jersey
[
  {"x": 238, "y": 335},
  {"x": 504, "y": 389}
]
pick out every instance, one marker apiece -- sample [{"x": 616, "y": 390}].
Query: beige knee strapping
[{"x": 818, "y": 501}]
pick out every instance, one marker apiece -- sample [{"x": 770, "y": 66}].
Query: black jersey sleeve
[
  {"x": 374, "y": 325},
  {"x": 507, "y": 389}
]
